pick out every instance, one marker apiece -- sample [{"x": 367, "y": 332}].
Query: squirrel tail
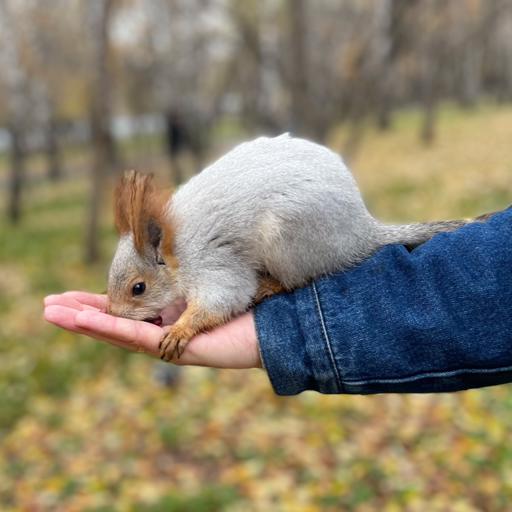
[{"x": 412, "y": 235}]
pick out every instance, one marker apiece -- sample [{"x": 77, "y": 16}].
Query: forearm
[{"x": 436, "y": 319}]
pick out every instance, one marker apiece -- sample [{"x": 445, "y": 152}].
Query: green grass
[{"x": 210, "y": 499}]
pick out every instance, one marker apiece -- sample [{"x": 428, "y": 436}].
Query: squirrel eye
[{"x": 138, "y": 288}]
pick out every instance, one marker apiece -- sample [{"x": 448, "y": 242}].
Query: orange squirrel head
[{"x": 140, "y": 280}]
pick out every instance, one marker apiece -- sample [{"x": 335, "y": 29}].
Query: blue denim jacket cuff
[{"x": 294, "y": 343}]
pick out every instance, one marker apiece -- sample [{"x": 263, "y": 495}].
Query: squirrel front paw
[
  {"x": 192, "y": 321},
  {"x": 173, "y": 342}
]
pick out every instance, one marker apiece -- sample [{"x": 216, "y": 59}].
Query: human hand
[{"x": 233, "y": 345}]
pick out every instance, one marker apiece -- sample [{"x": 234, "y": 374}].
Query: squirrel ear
[
  {"x": 139, "y": 209},
  {"x": 155, "y": 238},
  {"x": 154, "y": 233}
]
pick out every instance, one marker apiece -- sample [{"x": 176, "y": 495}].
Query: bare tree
[
  {"x": 45, "y": 48},
  {"x": 298, "y": 71},
  {"x": 246, "y": 67},
  {"x": 312, "y": 67},
  {"x": 16, "y": 85},
  {"x": 391, "y": 37},
  {"x": 495, "y": 29},
  {"x": 46, "y": 122},
  {"x": 181, "y": 41},
  {"x": 99, "y": 13}
]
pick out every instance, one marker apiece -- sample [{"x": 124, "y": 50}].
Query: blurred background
[{"x": 415, "y": 94}]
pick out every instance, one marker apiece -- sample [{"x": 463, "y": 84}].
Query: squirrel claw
[{"x": 172, "y": 345}]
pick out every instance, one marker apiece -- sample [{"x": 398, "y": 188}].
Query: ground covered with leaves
[{"x": 87, "y": 427}]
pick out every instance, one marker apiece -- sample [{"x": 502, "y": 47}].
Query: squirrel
[{"x": 271, "y": 215}]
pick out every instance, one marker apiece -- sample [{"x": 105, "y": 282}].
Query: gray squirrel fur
[{"x": 284, "y": 207}]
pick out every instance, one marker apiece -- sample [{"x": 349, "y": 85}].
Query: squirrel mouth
[{"x": 157, "y": 320}]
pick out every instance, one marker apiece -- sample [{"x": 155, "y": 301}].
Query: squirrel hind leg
[{"x": 267, "y": 286}]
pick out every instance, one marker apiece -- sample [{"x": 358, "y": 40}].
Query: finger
[
  {"x": 65, "y": 317},
  {"x": 131, "y": 332},
  {"x": 66, "y": 300},
  {"x": 62, "y": 316},
  {"x": 96, "y": 300}
]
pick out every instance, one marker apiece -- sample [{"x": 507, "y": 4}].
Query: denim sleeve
[{"x": 436, "y": 319}]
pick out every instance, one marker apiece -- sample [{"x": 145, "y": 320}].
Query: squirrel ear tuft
[{"x": 139, "y": 209}]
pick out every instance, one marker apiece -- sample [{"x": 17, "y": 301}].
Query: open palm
[{"x": 233, "y": 345}]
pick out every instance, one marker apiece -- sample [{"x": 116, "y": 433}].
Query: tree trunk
[
  {"x": 100, "y": 124},
  {"x": 427, "y": 134},
  {"x": 15, "y": 81},
  {"x": 54, "y": 169},
  {"x": 299, "y": 112},
  {"x": 383, "y": 50},
  {"x": 16, "y": 174}
]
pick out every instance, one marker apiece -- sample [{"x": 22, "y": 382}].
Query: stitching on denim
[
  {"x": 326, "y": 338},
  {"x": 427, "y": 375}
]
